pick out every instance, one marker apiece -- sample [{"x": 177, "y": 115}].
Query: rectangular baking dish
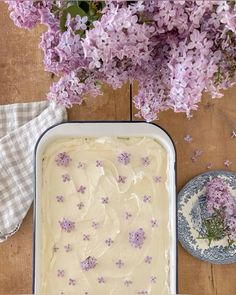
[{"x": 112, "y": 129}]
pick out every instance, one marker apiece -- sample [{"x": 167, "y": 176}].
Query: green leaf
[{"x": 84, "y": 5}]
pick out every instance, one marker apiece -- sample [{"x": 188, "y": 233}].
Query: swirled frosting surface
[{"x": 105, "y": 218}]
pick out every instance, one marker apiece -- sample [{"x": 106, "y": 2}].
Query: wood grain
[{"x": 22, "y": 78}]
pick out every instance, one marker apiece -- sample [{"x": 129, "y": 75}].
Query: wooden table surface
[{"x": 23, "y": 79}]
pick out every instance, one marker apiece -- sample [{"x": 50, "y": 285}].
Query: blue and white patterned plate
[{"x": 191, "y": 210}]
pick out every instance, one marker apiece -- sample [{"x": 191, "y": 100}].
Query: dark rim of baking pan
[{"x": 97, "y": 122}]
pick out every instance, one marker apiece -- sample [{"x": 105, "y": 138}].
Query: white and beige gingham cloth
[{"x": 20, "y": 127}]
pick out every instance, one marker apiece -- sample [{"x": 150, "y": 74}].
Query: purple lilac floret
[
  {"x": 124, "y": 158},
  {"x": 86, "y": 237},
  {"x": 60, "y": 199},
  {"x": 95, "y": 224},
  {"x": 147, "y": 199},
  {"x": 145, "y": 161},
  {"x": 109, "y": 242},
  {"x": 55, "y": 248},
  {"x": 136, "y": 238},
  {"x": 81, "y": 165},
  {"x": 67, "y": 225},
  {"x": 157, "y": 178},
  {"x": 99, "y": 163},
  {"x": 80, "y": 205},
  {"x": 72, "y": 282},
  {"x": 127, "y": 283},
  {"x": 154, "y": 223},
  {"x": 128, "y": 215},
  {"x": 81, "y": 189},
  {"x": 148, "y": 259},
  {"x": 153, "y": 279},
  {"x": 120, "y": 263},
  {"x": 89, "y": 263},
  {"x": 65, "y": 177},
  {"x": 104, "y": 200},
  {"x": 63, "y": 159},
  {"x": 61, "y": 273},
  {"x": 68, "y": 248},
  {"x": 122, "y": 179},
  {"x": 219, "y": 196},
  {"x": 101, "y": 280}
]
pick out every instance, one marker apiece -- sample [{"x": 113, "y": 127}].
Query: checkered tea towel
[{"x": 20, "y": 127}]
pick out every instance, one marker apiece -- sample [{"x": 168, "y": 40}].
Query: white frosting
[{"x": 125, "y": 197}]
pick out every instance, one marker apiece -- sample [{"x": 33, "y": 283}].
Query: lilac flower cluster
[
  {"x": 124, "y": 158},
  {"x": 176, "y": 50},
  {"x": 89, "y": 263},
  {"x": 63, "y": 159},
  {"x": 67, "y": 225},
  {"x": 136, "y": 238},
  {"x": 219, "y": 199}
]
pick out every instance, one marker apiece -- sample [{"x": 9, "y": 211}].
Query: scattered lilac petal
[
  {"x": 227, "y": 163},
  {"x": 188, "y": 138},
  {"x": 81, "y": 165},
  {"x": 218, "y": 197},
  {"x": 233, "y": 134},
  {"x": 55, "y": 249}
]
